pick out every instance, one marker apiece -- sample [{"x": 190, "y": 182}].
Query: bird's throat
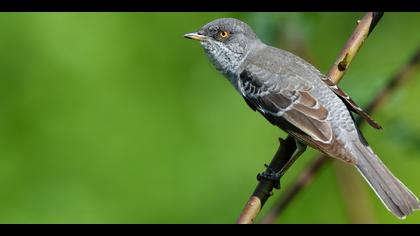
[{"x": 225, "y": 60}]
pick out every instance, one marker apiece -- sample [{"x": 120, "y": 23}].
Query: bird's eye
[{"x": 223, "y": 34}]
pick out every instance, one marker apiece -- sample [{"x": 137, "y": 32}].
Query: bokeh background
[{"x": 116, "y": 118}]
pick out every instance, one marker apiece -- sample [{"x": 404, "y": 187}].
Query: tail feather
[{"x": 394, "y": 195}]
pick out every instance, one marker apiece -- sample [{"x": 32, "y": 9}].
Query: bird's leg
[
  {"x": 272, "y": 175},
  {"x": 300, "y": 149}
]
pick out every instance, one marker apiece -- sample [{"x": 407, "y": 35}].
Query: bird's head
[{"x": 226, "y": 41}]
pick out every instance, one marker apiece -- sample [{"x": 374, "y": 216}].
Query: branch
[
  {"x": 263, "y": 190},
  {"x": 307, "y": 175},
  {"x": 355, "y": 42},
  {"x": 287, "y": 148}
]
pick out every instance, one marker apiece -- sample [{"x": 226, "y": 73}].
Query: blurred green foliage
[{"x": 116, "y": 118}]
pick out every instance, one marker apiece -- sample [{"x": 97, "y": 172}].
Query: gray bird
[{"x": 295, "y": 96}]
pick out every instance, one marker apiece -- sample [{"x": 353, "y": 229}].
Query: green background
[{"x": 116, "y": 118}]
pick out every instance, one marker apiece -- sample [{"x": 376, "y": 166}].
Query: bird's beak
[{"x": 196, "y": 36}]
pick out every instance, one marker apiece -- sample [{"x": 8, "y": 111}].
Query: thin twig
[
  {"x": 287, "y": 148},
  {"x": 263, "y": 190},
  {"x": 355, "y": 42},
  {"x": 306, "y": 176}
]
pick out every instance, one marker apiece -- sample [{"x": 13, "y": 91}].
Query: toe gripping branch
[
  {"x": 288, "y": 151},
  {"x": 270, "y": 175},
  {"x": 270, "y": 178}
]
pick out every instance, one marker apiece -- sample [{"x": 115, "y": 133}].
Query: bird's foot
[{"x": 271, "y": 175}]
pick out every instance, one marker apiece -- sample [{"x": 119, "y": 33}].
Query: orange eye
[{"x": 223, "y": 34}]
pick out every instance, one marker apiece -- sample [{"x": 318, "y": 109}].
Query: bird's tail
[{"x": 394, "y": 195}]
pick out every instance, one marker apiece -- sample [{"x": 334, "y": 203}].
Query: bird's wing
[
  {"x": 287, "y": 97},
  {"x": 350, "y": 103},
  {"x": 286, "y": 101}
]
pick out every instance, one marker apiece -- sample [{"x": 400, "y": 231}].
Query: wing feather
[
  {"x": 351, "y": 104},
  {"x": 292, "y": 101}
]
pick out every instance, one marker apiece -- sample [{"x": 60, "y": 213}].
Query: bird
[{"x": 296, "y": 97}]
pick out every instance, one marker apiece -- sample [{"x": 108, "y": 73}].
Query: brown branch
[
  {"x": 355, "y": 42},
  {"x": 287, "y": 148},
  {"x": 307, "y": 174},
  {"x": 263, "y": 190}
]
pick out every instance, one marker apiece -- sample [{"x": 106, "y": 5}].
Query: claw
[{"x": 270, "y": 175}]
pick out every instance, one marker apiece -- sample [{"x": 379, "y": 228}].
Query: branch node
[{"x": 342, "y": 66}]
